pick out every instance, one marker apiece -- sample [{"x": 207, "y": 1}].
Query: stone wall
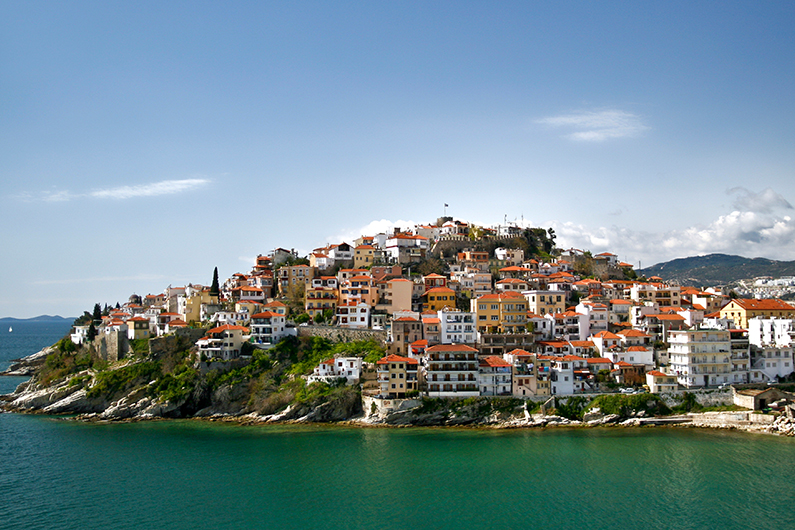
[
  {"x": 374, "y": 407},
  {"x": 111, "y": 346},
  {"x": 340, "y": 334},
  {"x": 706, "y": 398}
]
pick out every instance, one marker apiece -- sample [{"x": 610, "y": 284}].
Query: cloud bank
[
  {"x": 597, "y": 126},
  {"x": 155, "y": 189},
  {"x": 754, "y": 229}
]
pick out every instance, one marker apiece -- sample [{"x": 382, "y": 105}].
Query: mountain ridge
[{"x": 718, "y": 269}]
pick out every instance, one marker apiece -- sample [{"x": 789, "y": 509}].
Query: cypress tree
[
  {"x": 97, "y": 313},
  {"x": 215, "y": 290}
]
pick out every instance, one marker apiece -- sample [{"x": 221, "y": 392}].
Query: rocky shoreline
[{"x": 71, "y": 397}]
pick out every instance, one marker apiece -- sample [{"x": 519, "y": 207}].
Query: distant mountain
[
  {"x": 40, "y": 318},
  {"x": 718, "y": 269}
]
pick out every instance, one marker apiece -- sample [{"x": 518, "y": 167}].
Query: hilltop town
[{"x": 452, "y": 310}]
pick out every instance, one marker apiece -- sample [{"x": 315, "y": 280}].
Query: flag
[{"x": 446, "y": 205}]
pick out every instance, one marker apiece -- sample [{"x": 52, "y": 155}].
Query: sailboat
[{"x": 10, "y": 329}]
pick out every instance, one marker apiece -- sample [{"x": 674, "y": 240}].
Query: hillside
[{"x": 718, "y": 269}]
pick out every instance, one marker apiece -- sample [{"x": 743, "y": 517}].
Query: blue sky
[{"x": 143, "y": 144}]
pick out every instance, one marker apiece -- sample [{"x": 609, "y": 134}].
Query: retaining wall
[{"x": 340, "y": 334}]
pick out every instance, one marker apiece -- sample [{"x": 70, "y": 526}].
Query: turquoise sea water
[{"x": 190, "y": 474}]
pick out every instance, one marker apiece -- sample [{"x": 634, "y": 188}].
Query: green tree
[
  {"x": 215, "y": 290},
  {"x": 97, "y": 315},
  {"x": 92, "y": 331}
]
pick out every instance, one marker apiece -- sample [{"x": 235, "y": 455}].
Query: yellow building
[
  {"x": 742, "y": 309},
  {"x": 363, "y": 256},
  {"x": 190, "y": 306},
  {"x": 319, "y": 299},
  {"x": 545, "y": 302},
  {"x": 397, "y": 375},
  {"x": 439, "y": 298},
  {"x": 504, "y": 312}
]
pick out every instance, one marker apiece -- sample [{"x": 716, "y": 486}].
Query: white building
[
  {"x": 700, "y": 357},
  {"x": 267, "y": 328},
  {"x": 452, "y": 371},
  {"x": 328, "y": 371},
  {"x": 457, "y": 327},
  {"x": 494, "y": 376},
  {"x": 223, "y": 342},
  {"x": 772, "y": 340},
  {"x": 353, "y": 314}
]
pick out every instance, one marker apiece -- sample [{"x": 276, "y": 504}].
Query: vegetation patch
[{"x": 627, "y": 405}]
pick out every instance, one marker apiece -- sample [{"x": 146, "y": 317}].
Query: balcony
[{"x": 450, "y": 368}]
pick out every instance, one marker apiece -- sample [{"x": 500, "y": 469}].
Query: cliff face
[{"x": 166, "y": 384}]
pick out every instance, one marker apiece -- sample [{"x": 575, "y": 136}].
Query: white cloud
[
  {"x": 597, "y": 126},
  {"x": 164, "y": 187},
  {"x": 763, "y": 202},
  {"x": 743, "y": 232}
]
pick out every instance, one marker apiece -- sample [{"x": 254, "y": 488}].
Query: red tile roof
[
  {"x": 392, "y": 358},
  {"x": 494, "y": 362},
  {"x": 451, "y": 348}
]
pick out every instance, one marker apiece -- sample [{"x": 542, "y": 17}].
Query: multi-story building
[
  {"x": 349, "y": 368},
  {"x": 438, "y": 298},
  {"x": 289, "y": 277},
  {"x": 772, "y": 348},
  {"x": 318, "y": 300},
  {"x": 500, "y": 313},
  {"x": 530, "y": 375},
  {"x": 700, "y": 357},
  {"x": 223, "y": 342},
  {"x": 598, "y": 315},
  {"x": 138, "y": 328},
  {"x": 360, "y": 287},
  {"x": 661, "y": 383},
  {"x": 456, "y": 327},
  {"x": 494, "y": 376},
  {"x": 543, "y": 302},
  {"x": 452, "y": 371},
  {"x": 353, "y": 314},
  {"x": 397, "y": 375},
  {"x": 402, "y": 332},
  {"x": 660, "y": 293},
  {"x": 363, "y": 256},
  {"x": 741, "y": 310},
  {"x": 267, "y": 329}
]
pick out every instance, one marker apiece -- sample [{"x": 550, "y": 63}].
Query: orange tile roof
[
  {"x": 227, "y": 327},
  {"x": 392, "y": 358},
  {"x": 599, "y": 360},
  {"x": 266, "y": 314},
  {"x": 607, "y": 335},
  {"x": 451, "y": 348},
  {"x": 750, "y": 304},
  {"x": 632, "y": 333},
  {"x": 494, "y": 362},
  {"x": 671, "y": 317}
]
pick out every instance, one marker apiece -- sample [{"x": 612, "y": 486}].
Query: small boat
[{"x": 10, "y": 329}]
